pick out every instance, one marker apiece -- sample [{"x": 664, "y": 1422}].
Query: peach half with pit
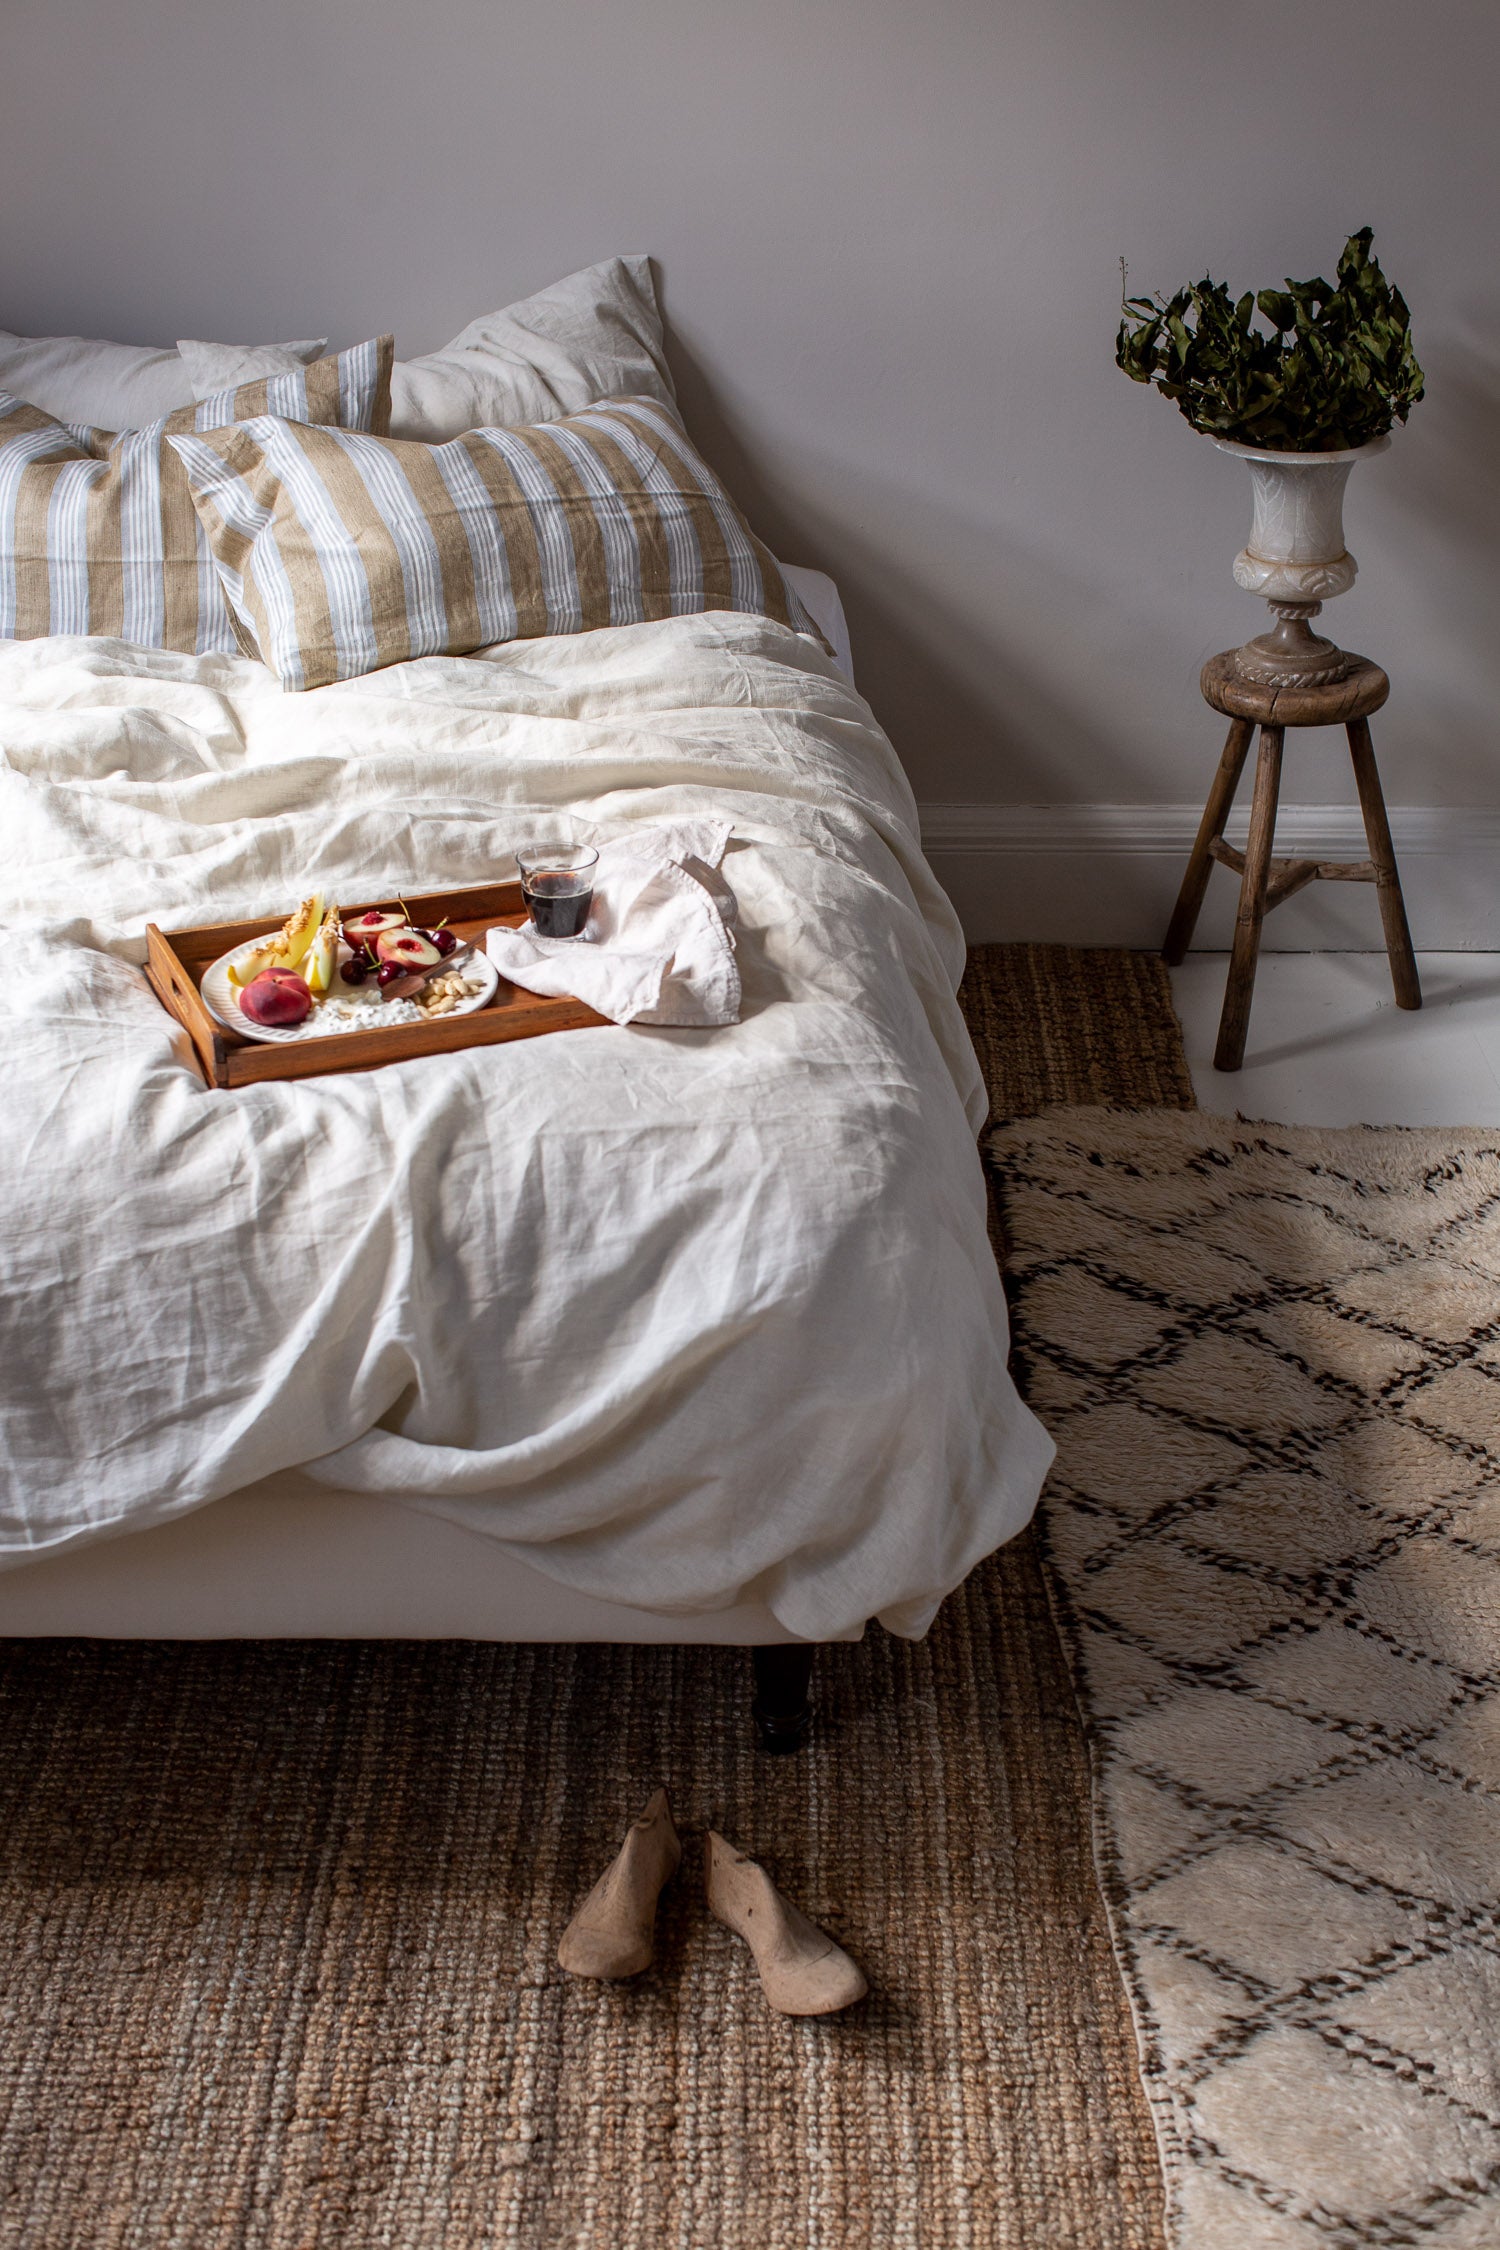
[
  {"x": 364, "y": 929},
  {"x": 409, "y": 949}
]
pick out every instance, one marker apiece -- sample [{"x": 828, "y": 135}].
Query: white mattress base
[{"x": 290, "y": 1560}]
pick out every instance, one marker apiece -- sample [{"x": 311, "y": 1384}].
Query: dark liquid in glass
[{"x": 558, "y": 907}]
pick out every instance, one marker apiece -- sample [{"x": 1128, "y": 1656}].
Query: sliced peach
[
  {"x": 409, "y": 947},
  {"x": 364, "y": 929}
]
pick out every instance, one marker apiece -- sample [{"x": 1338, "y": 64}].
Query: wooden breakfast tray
[{"x": 176, "y": 960}]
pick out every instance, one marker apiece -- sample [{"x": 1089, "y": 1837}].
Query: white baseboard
[{"x": 1108, "y": 874}]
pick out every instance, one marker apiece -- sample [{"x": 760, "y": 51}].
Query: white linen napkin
[{"x": 659, "y": 945}]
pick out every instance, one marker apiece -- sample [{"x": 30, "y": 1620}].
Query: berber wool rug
[{"x": 1271, "y": 1359}]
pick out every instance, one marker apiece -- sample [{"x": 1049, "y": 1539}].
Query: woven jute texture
[
  {"x": 278, "y": 1922},
  {"x": 1059, "y": 1023},
  {"x": 1271, "y": 1360}
]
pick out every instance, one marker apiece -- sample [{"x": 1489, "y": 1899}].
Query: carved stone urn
[{"x": 1296, "y": 557}]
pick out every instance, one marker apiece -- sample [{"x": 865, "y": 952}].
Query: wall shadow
[
  {"x": 1449, "y": 495},
  {"x": 1020, "y": 737}
]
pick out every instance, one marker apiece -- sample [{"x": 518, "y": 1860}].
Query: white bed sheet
[{"x": 683, "y": 1319}]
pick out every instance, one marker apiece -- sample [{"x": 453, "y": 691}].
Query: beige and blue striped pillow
[
  {"x": 341, "y": 553},
  {"x": 98, "y": 532}
]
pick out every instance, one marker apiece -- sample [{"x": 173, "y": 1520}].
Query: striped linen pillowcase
[
  {"x": 98, "y": 532},
  {"x": 341, "y": 553}
]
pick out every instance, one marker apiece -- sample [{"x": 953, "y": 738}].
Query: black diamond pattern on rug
[{"x": 1271, "y": 1359}]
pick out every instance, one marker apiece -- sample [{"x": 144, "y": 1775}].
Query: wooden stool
[{"x": 1264, "y": 881}]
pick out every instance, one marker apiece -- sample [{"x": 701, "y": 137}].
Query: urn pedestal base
[{"x": 1292, "y": 654}]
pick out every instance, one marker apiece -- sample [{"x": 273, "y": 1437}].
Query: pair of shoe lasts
[{"x": 802, "y": 1971}]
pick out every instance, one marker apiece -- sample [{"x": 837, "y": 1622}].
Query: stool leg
[
  {"x": 1387, "y": 880},
  {"x": 1210, "y": 828},
  {"x": 1235, "y": 1021}
]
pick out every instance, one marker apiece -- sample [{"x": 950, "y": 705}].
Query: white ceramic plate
[{"x": 360, "y": 1006}]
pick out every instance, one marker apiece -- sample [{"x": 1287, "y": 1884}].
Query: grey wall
[{"x": 887, "y": 232}]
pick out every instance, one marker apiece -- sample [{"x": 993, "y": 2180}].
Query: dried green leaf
[{"x": 1337, "y": 370}]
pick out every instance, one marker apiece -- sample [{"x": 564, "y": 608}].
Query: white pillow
[
  {"x": 108, "y": 386},
  {"x": 223, "y": 367},
  {"x": 595, "y": 335}
]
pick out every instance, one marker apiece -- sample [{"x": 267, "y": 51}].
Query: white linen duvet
[{"x": 678, "y": 1316}]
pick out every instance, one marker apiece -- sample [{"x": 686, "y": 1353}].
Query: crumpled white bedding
[{"x": 681, "y": 1316}]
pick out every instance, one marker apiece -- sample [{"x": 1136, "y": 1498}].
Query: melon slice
[
  {"x": 321, "y": 959},
  {"x": 266, "y": 955},
  {"x": 284, "y": 950},
  {"x": 300, "y": 929}
]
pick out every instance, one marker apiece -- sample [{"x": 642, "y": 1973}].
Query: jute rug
[
  {"x": 278, "y": 1924},
  {"x": 1271, "y": 1358}
]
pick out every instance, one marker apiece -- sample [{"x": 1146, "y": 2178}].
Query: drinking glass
[{"x": 557, "y": 883}]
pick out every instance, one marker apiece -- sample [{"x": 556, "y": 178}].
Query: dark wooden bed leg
[{"x": 781, "y": 1710}]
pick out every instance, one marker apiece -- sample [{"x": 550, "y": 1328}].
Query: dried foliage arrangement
[{"x": 1333, "y": 368}]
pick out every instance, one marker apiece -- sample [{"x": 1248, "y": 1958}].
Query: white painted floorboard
[{"x": 1329, "y": 1046}]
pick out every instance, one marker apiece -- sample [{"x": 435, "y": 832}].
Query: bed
[{"x": 633, "y": 1333}]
